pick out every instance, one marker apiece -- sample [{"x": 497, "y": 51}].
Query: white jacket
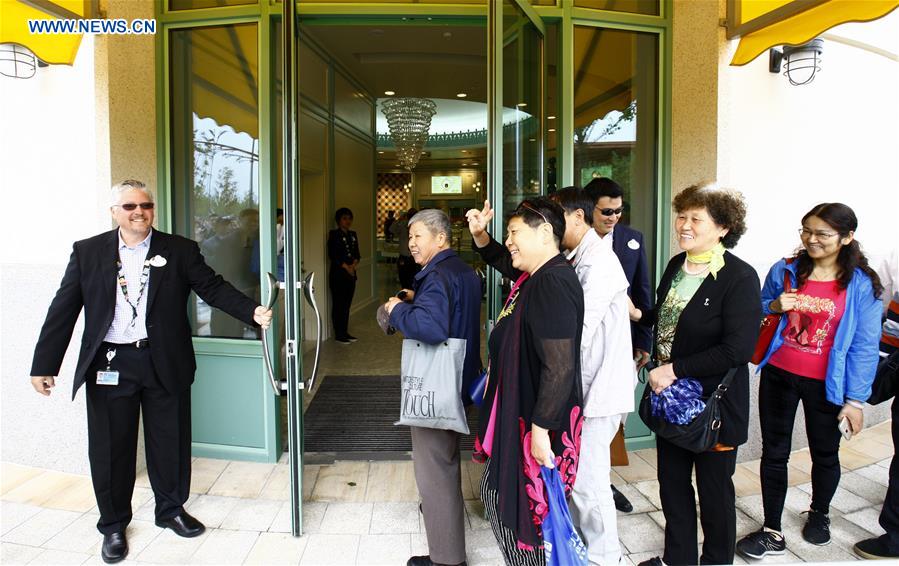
[{"x": 608, "y": 372}]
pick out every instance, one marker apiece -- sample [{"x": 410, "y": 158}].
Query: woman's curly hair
[{"x": 726, "y": 207}]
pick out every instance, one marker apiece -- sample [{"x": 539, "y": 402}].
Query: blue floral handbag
[{"x": 562, "y": 545}]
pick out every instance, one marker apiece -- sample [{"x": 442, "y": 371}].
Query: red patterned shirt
[{"x": 811, "y": 326}]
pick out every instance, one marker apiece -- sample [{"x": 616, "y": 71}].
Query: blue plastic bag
[{"x": 561, "y": 543}]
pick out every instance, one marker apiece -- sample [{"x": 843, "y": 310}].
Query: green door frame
[
  {"x": 497, "y": 38},
  {"x": 661, "y": 27},
  {"x": 221, "y": 349},
  {"x": 263, "y": 12}
]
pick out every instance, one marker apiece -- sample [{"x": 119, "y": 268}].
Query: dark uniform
[{"x": 343, "y": 247}]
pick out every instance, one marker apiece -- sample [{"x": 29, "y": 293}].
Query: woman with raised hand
[{"x": 531, "y": 414}]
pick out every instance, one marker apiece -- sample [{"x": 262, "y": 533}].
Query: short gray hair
[
  {"x": 129, "y": 185},
  {"x": 435, "y": 220}
]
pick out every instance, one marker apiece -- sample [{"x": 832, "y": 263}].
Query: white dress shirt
[
  {"x": 608, "y": 239},
  {"x": 121, "y": 330},
  {"x": 608, "y": 372}
]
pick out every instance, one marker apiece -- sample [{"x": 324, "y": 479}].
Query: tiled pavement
[{"x": 367, "y": 513}]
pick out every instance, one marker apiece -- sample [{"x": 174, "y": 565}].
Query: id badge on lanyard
[{"x": 108, "y": 376}]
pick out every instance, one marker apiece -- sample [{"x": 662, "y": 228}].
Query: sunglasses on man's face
[
  {"x": 610, "y": 211},
  {"x": 143, "y": 206}
]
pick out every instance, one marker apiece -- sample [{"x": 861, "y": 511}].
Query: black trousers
[
  {"x": 717, "y": 504},
  {"x": 343, "y": 287},
  {"x": 889, "y": 515},
  {"x": 112, "y": 425},
  {"x": 780, "y": 393}
]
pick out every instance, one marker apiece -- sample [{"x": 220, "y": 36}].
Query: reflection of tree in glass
[
  {"x": 627, "y": 115},
  {"x": 582, "y": 135},
  {"x": 615, "y": 164},
  {"x": 221, "y": 195},
  {"x": 226, "y": 195}
]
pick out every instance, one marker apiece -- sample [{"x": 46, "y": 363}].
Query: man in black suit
[
  {"x": 627, "y": 243},
  {"x": 136, "y": 357}
]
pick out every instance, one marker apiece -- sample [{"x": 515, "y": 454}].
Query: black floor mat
[{"x": 356, "y": 414}]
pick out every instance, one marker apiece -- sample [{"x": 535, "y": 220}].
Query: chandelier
[{"x": 409, "y": 120}]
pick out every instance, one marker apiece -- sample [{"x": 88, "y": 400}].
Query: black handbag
[
  {"x": 701, "y": 435},
  {"x": 884, "y": 386}
]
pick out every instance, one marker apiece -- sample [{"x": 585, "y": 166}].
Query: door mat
[{"x": 356, "y": 414}]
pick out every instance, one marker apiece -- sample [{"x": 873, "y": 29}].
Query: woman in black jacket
[
  {"x": 706, "y": 322},
  {"x": 532, "y": 409},
  {"x": 343, "y": 253}
]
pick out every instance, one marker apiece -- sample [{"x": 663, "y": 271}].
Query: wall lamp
[{"x": 800, "y": 62}]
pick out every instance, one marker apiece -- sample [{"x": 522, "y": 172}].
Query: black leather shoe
[
  {"x": 426, "y": 561},
  {"x": 183, "y": 524},
  {"x": 115, "y": 547},
  {"x": 621, "y": 502}
]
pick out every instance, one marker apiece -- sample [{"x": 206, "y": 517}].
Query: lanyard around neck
[{"x": 123, "y": 284}]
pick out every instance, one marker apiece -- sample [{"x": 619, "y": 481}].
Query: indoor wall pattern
[{"x": 392, "y": 195}]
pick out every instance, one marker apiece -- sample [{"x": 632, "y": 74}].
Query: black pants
[
  {"x": 780, "y": 393},
  {"x": 112, "y": 424},
  {"x": 717, "y": 504},
  {"x": 343, "y": 286},
  {"x": 889, "y": 516}
]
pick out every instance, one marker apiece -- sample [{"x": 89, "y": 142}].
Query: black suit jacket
[
  {"x": 636, "y": 269},
  {"x": 716, "y": 331},
  {"x": 90, "y": 283}
]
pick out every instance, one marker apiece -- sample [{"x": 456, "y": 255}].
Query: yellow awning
[
  {"x": 50, "y": 48},
  {"x": 763, "y": 24}
]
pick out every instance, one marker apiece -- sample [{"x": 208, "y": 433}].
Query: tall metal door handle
[
  {"x": 273, "y": 288},
  {"x": 309, "y": 293}
]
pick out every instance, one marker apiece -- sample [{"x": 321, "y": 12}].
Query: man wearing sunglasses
[
  {"x": 136, "y": 357},
  {"x": 627, "y": 243}
]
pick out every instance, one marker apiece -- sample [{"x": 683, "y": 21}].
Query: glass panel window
[
  {"x": 198, "y": 4},
  {"x": 616, "y": 119},
  {"x": 522, "y": 108},
  {"x": 215, "y": 160},
  {"x": 553, "y": 110},
  {"x": 649, "y": 7}
]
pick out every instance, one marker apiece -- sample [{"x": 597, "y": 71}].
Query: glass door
[
  {"x": 298, "y": 285},
  {"x": 515, "y": 111}
]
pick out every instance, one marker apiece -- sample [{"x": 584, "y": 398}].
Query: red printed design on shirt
[
  {"x": 810, "y": 323},
  {"x": 810, "y": 330}
]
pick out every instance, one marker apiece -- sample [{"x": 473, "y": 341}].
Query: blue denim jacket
[{"x": 853, "y": 359}]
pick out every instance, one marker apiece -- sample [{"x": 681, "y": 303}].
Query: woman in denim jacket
[{"x": 824, "y": 354}]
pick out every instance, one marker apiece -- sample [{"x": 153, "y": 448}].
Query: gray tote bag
[{"x": 431, "y": 382}]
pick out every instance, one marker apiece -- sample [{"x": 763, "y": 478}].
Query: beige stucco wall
[
  {"x": 130, "y": 63},
  {"x": 694, "y": 96}
]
